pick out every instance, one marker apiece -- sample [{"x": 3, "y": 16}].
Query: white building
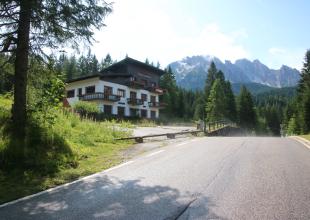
[{"x": 128, "y": 88}]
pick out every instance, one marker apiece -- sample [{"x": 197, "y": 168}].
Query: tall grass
[
  {"x": 60, "y": 147},
  {"x": 53, "y": 144}
]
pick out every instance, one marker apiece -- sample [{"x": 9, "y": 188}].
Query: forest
[{"x": 277, "y": 112}]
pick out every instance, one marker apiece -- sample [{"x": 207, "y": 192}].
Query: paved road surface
[{"x": 206, "y": 178}]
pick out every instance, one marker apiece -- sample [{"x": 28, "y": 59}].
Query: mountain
[
  {"x": 191, "y": 72},
  {"x": 254, "y": 88}
]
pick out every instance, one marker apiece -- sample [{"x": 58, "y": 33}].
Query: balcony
[
  {"x": 100, "y": 96},
  {"x": 133, "y": 101},
  {"x": 136, "y": 85},
  {"x": 157, "y": 90},
  {"x": 157, "y": 104}
]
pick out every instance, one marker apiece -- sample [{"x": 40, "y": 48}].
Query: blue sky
[{"x": 274, "y": 31}]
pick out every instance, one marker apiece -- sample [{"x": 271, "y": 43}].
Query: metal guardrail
[
  {"x": 139, "y": 139},
  {"x": 212, "y": 126}
]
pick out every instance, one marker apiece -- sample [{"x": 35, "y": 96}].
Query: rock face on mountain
[{"x": 191, "y": 72}]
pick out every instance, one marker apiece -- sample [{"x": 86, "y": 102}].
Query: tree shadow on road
[{"x": 103, "y": 197}]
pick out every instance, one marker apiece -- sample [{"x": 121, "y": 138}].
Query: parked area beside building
[{"x": 128, "y": 88}]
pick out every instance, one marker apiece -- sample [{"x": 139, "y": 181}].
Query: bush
[
  {"x": 86, "y": 108},
  {"x": 51, "y": 146}
]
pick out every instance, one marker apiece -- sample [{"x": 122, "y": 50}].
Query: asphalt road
[{"x": 206, "y": 178}]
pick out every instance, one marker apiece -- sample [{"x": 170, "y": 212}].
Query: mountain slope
[{"x": 191, "y": 72}]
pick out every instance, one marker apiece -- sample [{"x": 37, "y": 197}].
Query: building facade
[{"x": 128, "y": 88}]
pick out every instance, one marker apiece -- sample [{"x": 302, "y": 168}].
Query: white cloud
[
  {"x": 278, "y": 56},
  {"x": 275, "y": 51},
  {"x": 143, "y": 30}
]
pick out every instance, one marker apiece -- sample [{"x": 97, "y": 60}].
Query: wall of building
[{"x": 99, "y": 87}]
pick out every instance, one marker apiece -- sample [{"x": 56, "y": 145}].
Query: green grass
[
  {"x": 306, "y": 136},
  {"x": 58, "y": 153}
]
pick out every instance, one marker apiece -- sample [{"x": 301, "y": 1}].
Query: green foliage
[
  {"x": 211, "y": 77},
  {"x": 293, "y": 126},
  {"x": 55, "y": 154},
  {"x": 246, "y": 112},
  {"x": 50, "y": 147},
  {"x": 220, "y": 100},
  {"x": 297, "y": 114},
  {"x": 86, "y": 108},
  {"x": 6, "y": 73},
  {"x": 216, "y": 109}
]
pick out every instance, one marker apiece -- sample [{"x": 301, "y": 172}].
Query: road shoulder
[{"x": 301, "y": 140}]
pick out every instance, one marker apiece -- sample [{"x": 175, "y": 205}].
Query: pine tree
[
  {"x": 304, "y": 95},
  {"x": 107, "y": 61},
  {"x": 147, "y": 61},
  {"x": 216, "y": 109},
  {"x": 230, "y": 102},
  {"x": 168, "y": 83},
  {"x": 246, "y": 112},
  {"x": 211, "y": 77},
  {"x": 28, "y": 26}
]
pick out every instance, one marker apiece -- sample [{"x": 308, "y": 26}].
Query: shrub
[{"x": 86, "y": 108}]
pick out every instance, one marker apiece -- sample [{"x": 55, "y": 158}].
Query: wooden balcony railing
[
  {"x": 157, "y": 104},
  {"x": 157, "y": 90},
  {"x": 133, "y": 101},
  {"x": 141, "y": 85},
  {"x": 100, "y": 96},
  {"x": 136, "y": 85}
]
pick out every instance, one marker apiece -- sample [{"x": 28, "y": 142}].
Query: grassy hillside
[{"x": 56, "y": 152}]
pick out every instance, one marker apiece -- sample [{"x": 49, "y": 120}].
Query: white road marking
[
  {"x": 184, "y": 143},
  {"x": 157, "y": 152},
  {"x": 118, "y": 166},
  {"x": 301, "y": 140},
  {"x": 65, "y": 185}
]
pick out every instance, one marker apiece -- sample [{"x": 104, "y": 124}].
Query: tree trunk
[{"x": 21, "y": 69}]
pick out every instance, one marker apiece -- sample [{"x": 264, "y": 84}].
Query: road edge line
[
  {"x": 64, "y": 185},
  {"x": 301, "y": 140}
]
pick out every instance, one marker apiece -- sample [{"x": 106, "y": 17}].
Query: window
[
  {"x": 121, "y": 93},
  {"x": 70, "y": 93},
  {"x": 133, "y": 95},
  {"x": 143, "y": 113},
  {"x": 144, "y": 82},
  {"x": 153, "y": 84},
  {"x": 153, "y": 98},
  {"x": 153, "y": 114},
  {"x": 133, "y": 112},
  {"x": 90, "y": 89},
  {"x": 108, "y": 90},
  {"x": 121, "y": 111},
  {"x": 80, "y": 92},
  {"x": 133, "y": 78},
  {"x": 144, "y": 97},
  {"x": 107, "y": 109}
]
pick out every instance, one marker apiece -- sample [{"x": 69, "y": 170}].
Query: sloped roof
[{"x": 108, "y": 72}]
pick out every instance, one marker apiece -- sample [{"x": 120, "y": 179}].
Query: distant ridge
[
  {"x": 258, "y": 89},
  {"x": 191, "y": 72}
]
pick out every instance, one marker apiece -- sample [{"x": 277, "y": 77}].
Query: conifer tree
[
  {"x": 216, "y": 109},
  {"x": 29, "y": 26},
  {"x": 168, "y": 83},
  {"x": 230, "y": 102},
  {"x": 211, "y": 77},
  {"x": 246, "y": 112},
  {"x": 304, "y": 95}
]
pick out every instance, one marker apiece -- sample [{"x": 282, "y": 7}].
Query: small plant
[{"x": 86, "y": 108}]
